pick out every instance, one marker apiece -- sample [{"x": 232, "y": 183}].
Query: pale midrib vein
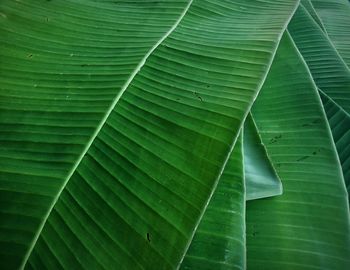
[
  {"x": 336, "y": 52},
  {"x": 327, "y": 38},
  {"x": 244, "y": 202},
  {"x": 262, "y": 81},
  {"x": 313, "y": 8},
  {"x": 335, "y": 103},
  {"x": 98, "y": 129},
  {"x": 330, "y": 40}
]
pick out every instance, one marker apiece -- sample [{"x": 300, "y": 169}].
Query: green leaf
[
  {"x": 219, "y": 241},
  {"x": 62, "y": 65},
  {"x": 335, "y": 17},
  {"x": 260, "y": 176},
  {"x": 328, "y": 70},
  {"x": 311, "y": 10},
  {"x": 332, "y": 78},
  {"x": 158, "y": 104},
  {"x": 339, "y": 122},
  {"x": 308, "y": 226}
]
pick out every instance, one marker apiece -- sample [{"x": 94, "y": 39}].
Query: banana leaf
[
  {"x": 219, "y": 241},
  {"x": 117, "y": 121},
  {"x": 308, "y": 226},
  {"x": 339, "y": 122},
  {"x": 332, "y": 78},
  {"x": 334, "y": 15}
]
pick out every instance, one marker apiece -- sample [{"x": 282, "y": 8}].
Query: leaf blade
[
  {"x": 299, "y": 231},
  {"x": 330, "y": 75},
  {"x": 128, "y": 137},
  {"x": 219, "y": 241},
  {"x": 49, "y": 112},
  {"x": 334, "y": 15}
]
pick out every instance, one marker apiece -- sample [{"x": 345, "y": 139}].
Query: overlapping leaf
[
  {"x": 332, "y": 77},
  {"x": 339, "y": 122},
  {"x": 334, "y": 15},
  {"x": 308, "y": 226},
  {"x": 118, "y": 119},
  {"x": 87, "y": 184}
]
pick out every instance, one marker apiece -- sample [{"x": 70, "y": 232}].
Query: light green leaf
[
  {"x": 132, "y": 192},
  {"x": 219, "y": 241},
  {"x": 308, "y": 226},
  {"x": 260, "y": 176}
]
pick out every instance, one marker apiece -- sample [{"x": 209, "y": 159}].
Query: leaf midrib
[
  {"x": 335, "y": 103},
  {"x": 98, "y": 129},
  {"x": 340, "y": 58},
  {"x": 259, "y": 86},
  {"x": 328, "y": 38}
]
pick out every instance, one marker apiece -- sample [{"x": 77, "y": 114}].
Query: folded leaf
[
  {"x": 260, "y": 176},
  {"x": 308, "y": 226}
]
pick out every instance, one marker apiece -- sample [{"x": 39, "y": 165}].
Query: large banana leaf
[
  {"x": 332, "y": 77},
  {"x": 62, "y": 65},
  {"x": 117, "y": 120},
  {"x": 308, "y": 226}
]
